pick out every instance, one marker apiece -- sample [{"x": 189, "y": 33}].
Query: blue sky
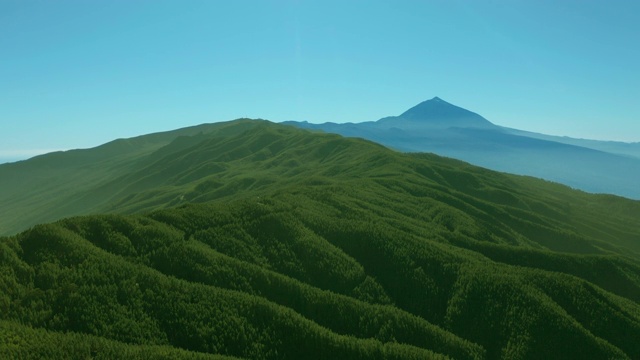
[{"x": 76, "y": 74}]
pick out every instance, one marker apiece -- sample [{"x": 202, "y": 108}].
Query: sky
[{"x": 76, "y": 74}]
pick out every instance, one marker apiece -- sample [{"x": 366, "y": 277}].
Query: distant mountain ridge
[
  {"x": 435, "y": 113},
  {"x": 440, "y": 127}
]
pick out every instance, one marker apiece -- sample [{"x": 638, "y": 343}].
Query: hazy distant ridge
[{"x": 445, "y": 129}]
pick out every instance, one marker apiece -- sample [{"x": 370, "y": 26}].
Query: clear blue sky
[{"x": 76, "y": 74}]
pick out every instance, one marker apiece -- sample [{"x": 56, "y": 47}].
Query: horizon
[
  {"x": 18, "y": 155},
  {"x": 77, "y": 75}
]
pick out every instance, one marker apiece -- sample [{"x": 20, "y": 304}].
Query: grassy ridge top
[
  {"x": 265, "y": 242},
  {"x": 46, "y": 187}
]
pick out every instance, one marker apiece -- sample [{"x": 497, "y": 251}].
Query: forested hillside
[{"x": 261, "y": 241}]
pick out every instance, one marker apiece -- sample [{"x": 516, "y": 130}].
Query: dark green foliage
[
  {"x": 23, "y": 342},
  {"x": 287, "y": 245}
]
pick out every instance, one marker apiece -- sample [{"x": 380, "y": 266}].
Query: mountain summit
[{"x": 436, "y": 113}]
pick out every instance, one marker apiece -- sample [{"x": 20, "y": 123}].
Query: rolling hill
[
  {"x": 256, "y": 240},
  {"x": 448, "y": 130},
  {"x": 54, "y": 185}
]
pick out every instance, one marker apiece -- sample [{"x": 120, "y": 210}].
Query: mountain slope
[
  {"x": 613, "y": 147},
  {"x": 272, "y": 242},
  {"x": 435, "y": 114},
  {"x": 46, "y": 187},
  {"x": 248, "y": 158},
  {"x": 445, "y": 129}
]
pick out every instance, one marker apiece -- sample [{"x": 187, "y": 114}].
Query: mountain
[
  {"x": 257, "y": 240},
  {"x": 435, "y": 114},
  {"x": 445, "y": 129}
]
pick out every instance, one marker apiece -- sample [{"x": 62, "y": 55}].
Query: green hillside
[
  {"x": 47, "y": 187},
  {"x": 261, "y": 241}
]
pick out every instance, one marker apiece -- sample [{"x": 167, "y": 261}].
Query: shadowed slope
[{"x": 242, "y": 159}]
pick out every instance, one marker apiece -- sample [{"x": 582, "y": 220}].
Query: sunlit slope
[
  {"x": 436, "y": 126},
  {"x": 245, "y": 159},
  {"x": 47, "y": 187}
]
